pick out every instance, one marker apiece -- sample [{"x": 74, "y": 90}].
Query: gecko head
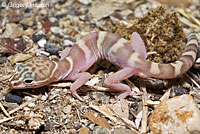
[{"x": 35, "y": 73}]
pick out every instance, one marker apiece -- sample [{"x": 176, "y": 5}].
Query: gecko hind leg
[{"x": 113, "y": 82}]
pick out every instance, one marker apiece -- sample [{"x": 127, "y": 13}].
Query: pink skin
[
  {"x": 79, "y": 65},
  {"x": 80, "y": 79},
  {"x": 113, "y": 80},
  {"x": 138, "y": 45},
  {"x": 65, "y": 53}
]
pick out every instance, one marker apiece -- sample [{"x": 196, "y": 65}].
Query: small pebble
[
  {"x": 52, "y": 49},
  {"x": 69, "y": 125},
  {"x": 28, "y": 21},
  {"x": 31, "y": 104},
  {"x": 86, "y": 122},
  {"x": 177, "y": 91},
  {"x": 20, "y": 122},
  {"x": 65, "y": 117},
  {"x": 67, "y": 109},
  {"x": 26, "y": 38},
  {"x": 61, "y": 2},
  {"x": 84, "y": 130},
  {"x": 37, "y": 37},
  {"x": 26, "y": 109},
  {"x": 47, "y": 25},
  {"x": 27, "y": 98},
  {"x": 43, "y": 12},
  {"x": 76, "y": 125},
  {"x": 53, "y": 19},
  {"x": 3, "y": 60},
  {"x": 42, "y": 42},
  {"x": 86, "y": 2},
  {"x": 54, "y": 101},
  {"x": 123, "y": 131},
  {"x": 56, "y": 30},
  {"x": 47, "y": 125},
  {"x": 13, "y": 98},
  {"x": 44, "y": 97},
  {"x": 29, "y": 32},
  {"x": 100, "y": 130},
  {"x": 44, "y": 53},
  {"x": 34, "y": 123},
  {"x": 67, "y": 43},
  {"x": 91, "y": 126}
]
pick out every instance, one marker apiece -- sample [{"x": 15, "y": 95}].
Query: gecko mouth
[
  {"x": 13, "y": 84},
  {"x": 28, "y": 83}
]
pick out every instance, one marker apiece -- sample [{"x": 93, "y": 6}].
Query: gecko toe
[{"x": 74, "y": 94}]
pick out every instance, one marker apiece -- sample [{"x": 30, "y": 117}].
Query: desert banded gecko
[{"x": 131, "y": 57}]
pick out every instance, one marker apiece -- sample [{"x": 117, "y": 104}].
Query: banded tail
[{"x": 177, "y": 68}]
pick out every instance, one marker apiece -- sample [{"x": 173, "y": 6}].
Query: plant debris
[{"x": 161, "y": 31}]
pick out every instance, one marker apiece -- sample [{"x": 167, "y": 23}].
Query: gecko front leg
[
  {"x": 79, "y": 80},
  {"x": 113, "y": 82}
]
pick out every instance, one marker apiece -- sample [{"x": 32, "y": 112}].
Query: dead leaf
[
  {"x": 112, "y": 113},
  {"x": 106, "y": 111},
  {"x": 13, "y": 31},
  {"x": 47, "y": 25},
  {"x": 100, "y": 10},
  {"x": 118, "y": 110},
  {"x": 176, "y": 3},
  {"x": 101, "y": 121},
  {"x": 12, "y": 46},
  {"x": 19, "y": 57},
  {"x": 109, "y": 109}
]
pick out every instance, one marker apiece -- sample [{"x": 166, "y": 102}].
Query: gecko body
[{"x": 131, "y": 57}]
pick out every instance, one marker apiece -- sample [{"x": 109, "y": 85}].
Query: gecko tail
[{"x": 177, "y": 68}]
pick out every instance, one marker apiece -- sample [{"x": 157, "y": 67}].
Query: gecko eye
[
  {"x": 28, "y": 81},
  {"x": 28, "y": 78}
]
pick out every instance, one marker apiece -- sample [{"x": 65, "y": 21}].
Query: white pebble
[
  {"x": 44, "y": 97},
  {"x": 86, "y": 2},
  {"x": 56, "y": 30},
  {"x": 31, "y": 104},
  {"x": 20, "y": 122},
  {"x": 44, "y": 53},
  {"x": 27, "y": 98},
  {"x": 67, "y": 43},
  {"x": 42, "y": 42},
  {"x": 26, "y": 109},
  {"x": 53, "y": 19},
  {"x": 67, "y": 109}
]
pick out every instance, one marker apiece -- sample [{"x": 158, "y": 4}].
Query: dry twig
[
  {"x": 6, "y": 119},
  {"x": 4, "y": 110},
  {"x": 193, "y": 81},
  {"x": 166, "y": 95},
  {"x": 145, "y": 107}
]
